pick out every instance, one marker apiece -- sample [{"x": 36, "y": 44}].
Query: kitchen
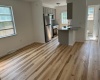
[
  {"x": 53, "y": 25},
  {"x": 50, "y": 24}
]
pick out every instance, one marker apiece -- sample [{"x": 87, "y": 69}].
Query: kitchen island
[{"x": 66, "y": 35}]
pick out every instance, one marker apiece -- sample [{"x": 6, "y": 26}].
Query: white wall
[
  {"x": 79, "y": 18},
  {"x": 59, "y": 10},
  {"x": 96, "y": 21},
  {"x": 23, "y": 21},
  {"x": 99, "y": 27},
  {"x": 72, "y": 37},
  {"x": 37, "y": 15}
]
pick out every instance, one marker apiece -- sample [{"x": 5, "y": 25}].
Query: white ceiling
[{"x": 53, "y": 2}]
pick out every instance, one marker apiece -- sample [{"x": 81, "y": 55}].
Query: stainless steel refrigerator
[{"x": 48, "y": 26}]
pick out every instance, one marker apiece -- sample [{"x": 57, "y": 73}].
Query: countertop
[
  {"x": 69, "y": 28},
  {"x": 63, "y": 28}
]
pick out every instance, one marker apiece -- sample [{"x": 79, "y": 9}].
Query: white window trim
[{"x": 13, "y": 22}]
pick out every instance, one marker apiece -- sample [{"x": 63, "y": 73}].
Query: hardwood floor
[{"x": 52, "y": 61}]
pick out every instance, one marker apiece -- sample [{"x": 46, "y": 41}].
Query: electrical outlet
[{"x": 21, "y": 40}]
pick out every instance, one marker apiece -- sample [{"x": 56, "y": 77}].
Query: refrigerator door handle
[{"x": 48, "y": 25}]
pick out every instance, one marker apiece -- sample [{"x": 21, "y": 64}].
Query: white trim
[{"x": 8, "y": 36}]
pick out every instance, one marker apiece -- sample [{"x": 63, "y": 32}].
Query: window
[
  {"x": 7, "y": 26},
  {"x": 90, "y": 13},
  {"x": 64, "y": 18}
]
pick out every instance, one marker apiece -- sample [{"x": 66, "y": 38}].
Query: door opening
[{"x": 92, "y": 23}]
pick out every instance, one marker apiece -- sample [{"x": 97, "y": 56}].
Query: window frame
[
  {"x": 13, "y": 23},
  {"x": 61, "y": 17}
]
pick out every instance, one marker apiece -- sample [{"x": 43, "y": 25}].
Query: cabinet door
[
  {"x": 69, "y": 10},
  {"x": 46, "y": 10},
  {"x": 49, "y": 11},
  {"x": 43, "y": 10},
  {"x": 54, "y": 13}
]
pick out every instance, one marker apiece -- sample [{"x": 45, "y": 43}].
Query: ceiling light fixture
[{"x": 58, "y": 4}]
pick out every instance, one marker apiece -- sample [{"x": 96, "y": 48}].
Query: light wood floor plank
[{"x": 52, "y": 61}]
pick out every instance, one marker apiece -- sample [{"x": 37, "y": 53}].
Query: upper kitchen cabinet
[
  {"x": 69, "y": 10},
  {"x": 47, "y": 10}
]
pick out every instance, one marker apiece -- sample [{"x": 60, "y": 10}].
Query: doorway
[{"x": 92, "y": 23}]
